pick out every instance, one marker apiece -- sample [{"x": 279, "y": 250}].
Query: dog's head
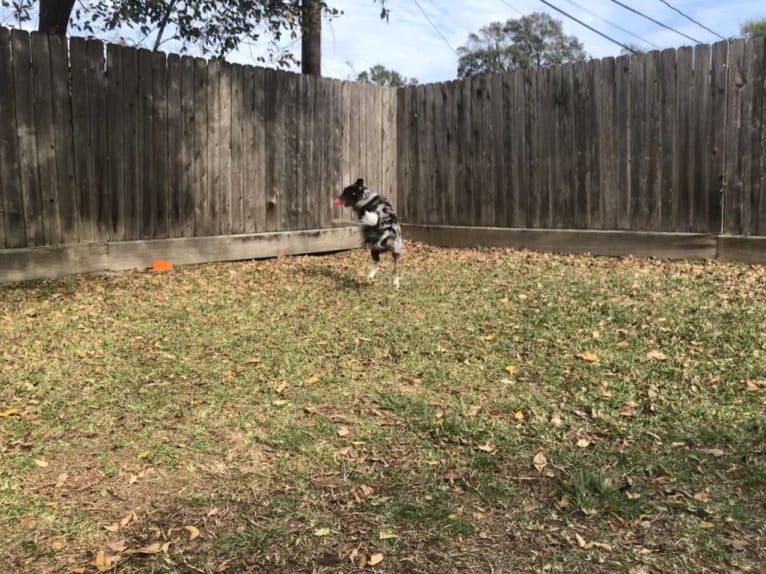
[{"x": 351, "y": 194}]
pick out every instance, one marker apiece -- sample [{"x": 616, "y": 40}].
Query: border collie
[{"x": 380, "y": 227}]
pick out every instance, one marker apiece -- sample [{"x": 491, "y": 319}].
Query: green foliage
[
  {"x": 382, "y": 76},
  {"x": 530, "y": 41},
  {"x": 753, "y": 28}
]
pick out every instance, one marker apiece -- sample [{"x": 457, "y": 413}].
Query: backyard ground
[{"x": 503, "y": 412}]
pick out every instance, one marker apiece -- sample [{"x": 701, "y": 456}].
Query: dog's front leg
[
  {"x": 375, "y": 264},
  {"x": 396, "y": 269}
]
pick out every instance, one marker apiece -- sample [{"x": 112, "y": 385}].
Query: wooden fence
[
  {"x": 113, "y": 143},
  {"x": 669, "y": 141}
]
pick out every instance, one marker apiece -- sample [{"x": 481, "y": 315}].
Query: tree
[
  {"x": 634, "y": 49},
  {"x": 530, "y": 41},
  {"x": 216, "y": 27},
  {"x": 753, "y": 28},
  {"x": 382, "y": 76}
]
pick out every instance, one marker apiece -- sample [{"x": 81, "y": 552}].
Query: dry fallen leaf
[
  {"x": 716, "y": 452},
  {"x": 539, "y": 461},
  {"x": 57, "y": 545},
  {"x": 706, "y": 524},
  {"x": 518, "y": 415},
  {"x": 750, "y": 385},
  {"x": 375, "y": 559},
  {"x": 312, "y": 379},
  {"x": 155, "y": 548},
  {"x": 105, "y": 562},
  {"x": 583, "y": 443},
  {"x": 513, "y": 369},
  {"x": 321, "y": 532},
  {"x": 193, "y": 531},
  {"x": 489, "y": 337},
  {"x": 41, "y": 463},
  {"x": 589, "y": 357},
  {"x": 254, "y": 360},
  {"x": 487, "y": 447},
  {"x": 580, "y": 540},
  {"x": 9, "y": 412},
  {"x": 119, "y": 546},
  {"x": 702, "y": 497},
  {"x": 657, "y": 356},
  {"x": 61, "y": 479},
  {"x": 114, "y": 527},
  {"x": 623, "y": 344},
  {"x": 387, "y": 535},
  {"x": 556, "y": 421},
  {"x": 279, "y": 403},
  {"x": 344, "y": 431}
]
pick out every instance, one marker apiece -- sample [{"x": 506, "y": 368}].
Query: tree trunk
[
  {"x": 311, "y": 41},
  {"x": 54, "y": 16}
]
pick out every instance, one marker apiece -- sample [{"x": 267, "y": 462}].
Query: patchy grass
[{"x": 503, "y": 411}]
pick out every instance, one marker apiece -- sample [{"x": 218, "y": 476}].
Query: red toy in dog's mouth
[{"x": 339, "y": 201}]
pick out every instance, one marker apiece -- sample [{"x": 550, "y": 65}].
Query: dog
[{"x": 380, "y": 227}]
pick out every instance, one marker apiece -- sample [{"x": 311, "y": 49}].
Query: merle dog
[{"x": 380, "y": 227}]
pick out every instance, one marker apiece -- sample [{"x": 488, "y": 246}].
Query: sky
[
  {"x": 408, "y": 43},
  {"x": 358, "y": 39}
]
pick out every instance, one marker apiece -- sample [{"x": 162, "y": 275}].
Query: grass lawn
[{"x": 503, "y": 412}]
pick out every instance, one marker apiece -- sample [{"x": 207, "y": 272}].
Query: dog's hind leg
[
  {"x": 375, "y": 264},
  {"x": 396, "y": 268}
]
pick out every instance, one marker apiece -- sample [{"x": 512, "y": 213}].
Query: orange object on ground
[{"x": 162, "y": 265}]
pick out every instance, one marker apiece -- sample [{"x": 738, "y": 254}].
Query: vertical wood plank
[
  {"x": 289, "y": 211},
  {"x": 429, "y": 168},
  {"x": 519, "y": 149},
  {"x": 62, "y": 119},
  {"x": 339, "y": 143},
  {"x": 650, "y": 198},
  {"x": 554, "y": 152},
  {"x": 27, "y": 143},
  {"x": 259, "y": 153},
  {"x": 148, "y": 191},
  {"x": 478, "y": 178},
  {"x": 501, "y": 189},
  {"x": 668, "y": 102},
  {"x": 45, "y": 137},
  {"x": 115, "y": 145},
  {"x": 622, "y": 104},
  {"x": 237, "y": 150},
  {"x": 132, "y": 121},
  {"x": 402, "y": 152},
  {"x": 682, "y": 149},
  {"x": 593, "y": 187},
  {"x": 416, "y": 134},
  {"x": 155, "y": 218},
  {"x": 582, "y": 122},
  {"x": 186, "y": 162},
  {"x": 700, "y": 142},
  {"x": 202, "y": 222},
  {"x": 735, "y": 109},
  {"x": 486, "y": 183},
  {"x": 11, "y": 199},
  {"x": 320, "y": 157},
  {"x": 98, "y": 136},
  {"x": 225, "y": 149},
  {"x": 450, "y": 120},
  {"x": 301, "y": 113},
  {"x": 637, "y": 145},
  {"x": 715, "y": 173},
  {"x": 175, "y": 161},
  {"x": 753, "y": 171},
  {"x": 609, "y": 165},
  {"x": 510, "y": 160},
  {"x": 211, "y": 215},
  {"x": 250, "y": 158},
  {"x": 532, "y": 157}
]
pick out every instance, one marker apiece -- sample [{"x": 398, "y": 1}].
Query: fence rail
[
  {"x": 123, "y": 144},
  {"x": 665, "y": 141}
]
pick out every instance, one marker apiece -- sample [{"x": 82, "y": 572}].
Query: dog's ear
[{"x": 359, "y": 183}]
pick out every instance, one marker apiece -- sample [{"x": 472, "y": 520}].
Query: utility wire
[
  {"x": 669, "y": 5},
  {"x": 589, "y": 27},
  {"x": 655, "y": 21},
  {"x": 614, "y": 25},
  {"x": 512, "y": 8},
  {"x": 435, "y": 28}
]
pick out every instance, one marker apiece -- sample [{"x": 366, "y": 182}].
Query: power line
[
  {"x": 614, "y": 25},
  {"x": 435, "y": 28},
  {"x": 588, "y": 26},
  {"x": 512, "y": 8},
  {"x": 655, "y": 21},
  {"x": 692, "y": 19}
]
